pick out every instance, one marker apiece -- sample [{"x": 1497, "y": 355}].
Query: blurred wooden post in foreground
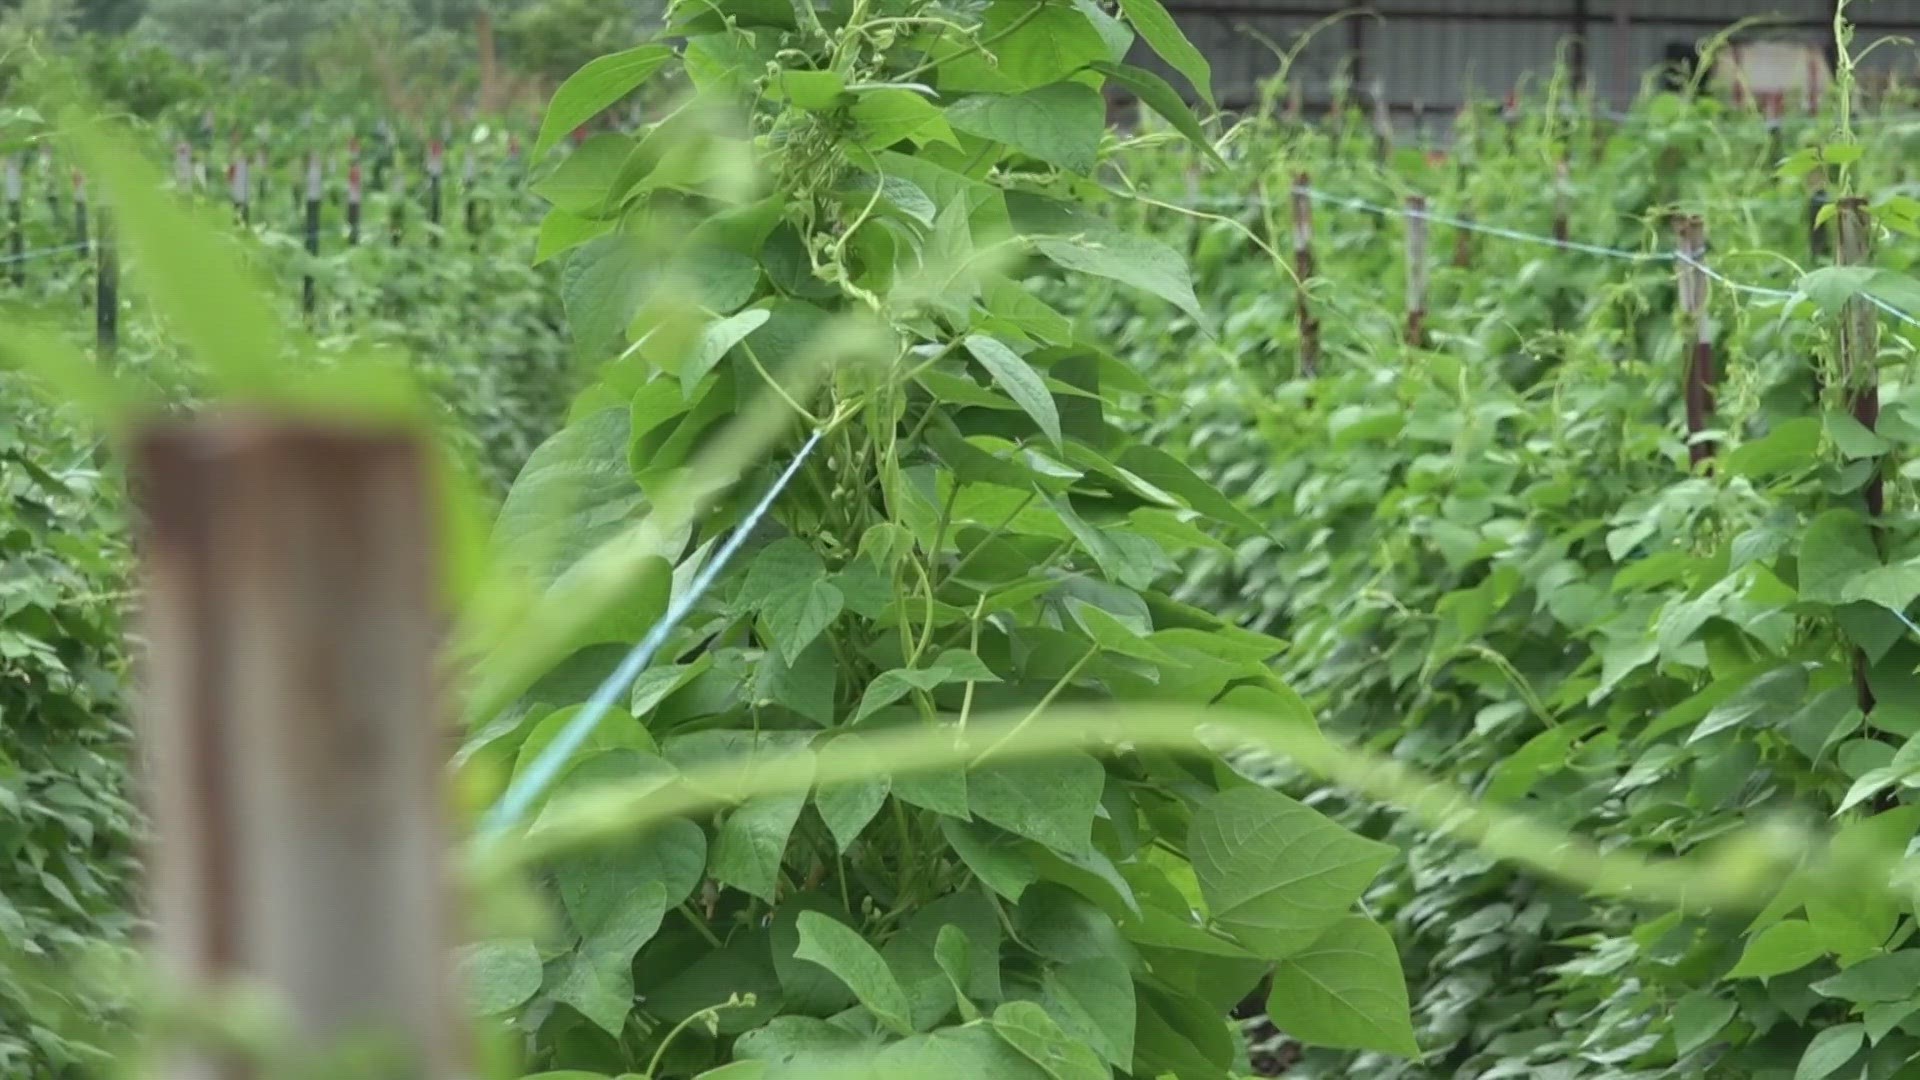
[{"x": 289, "y": 727}]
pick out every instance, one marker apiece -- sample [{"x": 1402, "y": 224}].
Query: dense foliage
[
  {"x": 1032, "y": 409},
  {"x": 1491, "y": 554},
  {"x": 977, "y": 535}
]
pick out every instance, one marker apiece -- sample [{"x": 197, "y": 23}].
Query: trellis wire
[
  {"x": 42, "y": 253},
  {"x": 527, "y": 787},
  {"x": 1603, "y": 251}
]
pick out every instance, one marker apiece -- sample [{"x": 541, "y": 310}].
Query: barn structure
[{"x": 1427, "y": 57}]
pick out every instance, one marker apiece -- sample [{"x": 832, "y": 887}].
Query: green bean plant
[
  {"x": 1492, "y": 556},
  {"x": 976, "y": 533}
]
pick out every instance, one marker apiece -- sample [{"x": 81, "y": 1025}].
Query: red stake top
[{"x": 436, "y": 159}]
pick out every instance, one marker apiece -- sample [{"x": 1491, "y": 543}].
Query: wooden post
[
  {"x": 50, "y": 183},
  {"x": 1416, "y": 270},
  {"x": 436, "y": 164},
  {"x": 183, "y": 166},
  {"x": 289, "y": 729},
  {"x": 1860, "y": 381},
  {"x": 80, "y": 213},
  {"x": 353, "y": 196},
  {"x": 1693, "y": 306},
  {"x": 468, "y": 173},
  {"x": 397, "y": 208},
  {"x": 1561, "y": 231},
  {"x": 1382, "y": 122},
  {"x": 106, "y": 291},
  {"x": 314, "y": 191},
  {"x": 1309, "y": 327},
  {"x": 240, "y": 180},
  {"x": 385, "y": 132},
  {"x": 1860, "y": 338},
  {"x": 16, "y": 229},
  {"x": 1463, "y": 239}
]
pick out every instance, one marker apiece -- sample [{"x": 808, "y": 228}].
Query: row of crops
[{"x": 927, "y": 458}]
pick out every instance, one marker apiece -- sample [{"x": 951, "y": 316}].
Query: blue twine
[{"x": 529, "y": 786}]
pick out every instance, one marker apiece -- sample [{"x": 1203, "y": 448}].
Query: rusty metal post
[
  {"x": 1309, "y": 327},
  {"x": 1561, "y": 183},
  {"x": 1860, "y": 382},
  {"x": 1417, "y": 270},
  {"x": 1693, "y": 307},
  {"x": 289, "y": 732},
  {"x": 1860, "y": 338}
]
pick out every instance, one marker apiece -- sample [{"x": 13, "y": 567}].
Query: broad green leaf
[
  {"x": 815, "y": 91},
  {"x": 1345, "y": 991},
  {"x": 1045, "y": 46},
  {"x": 952, "y": 666},
  {"x": 913, "y": 954},
  {"x": 1162, "y": 98},
  {"x": 795, "y": 1040},
  {"x": 848, "y": 807},
  {"x": 1883, "y": 1017},
  {"x": 994, "y": 857},
  {"x": 808, "y": 988},
  {"x": 1697, "y": 1018},
  {"x": 1151, "y": 19},
  {"x": 595, "y": 881},
  {"x": 1019, "y": 380},
  {"x": 973, "y": 1052},
  {"x": 582, "y": 183},
  {"x": 844, "y": 952},
  {"x": 597, "y": 978},
  {"x": 1052, "y": 800},
  {"x": 561, "y": 232},
  {"x": 1060, "y": 124},
  {"x": 602, "y": 286},
  {"x": 719, "y": 336},
  {"x": 1093, "y": 999},
  {"x": 797, "y": 614},
  {"x": 617, "y": 729},
  {"x": 1277, "y": 874},
  {"x": 748, "y": 851},
  {"x": 498, "y": 976},
  {"x": 1144, "y": 264},
  {"x": 1834, "y": 550},
  {"x": 574, "y": 493},
  {"x": 777, "y": 566},
  {"x": 1853, "y": 438},
  {"x": 1787, "y": 945},
  {"x": 1180, "y": 1035},
  {"x": 889, "y": 193},
  {"x": 954, "y": 953},
  {"x": 1889, "y": 977},
  {"x": 888, "y": 116},
  {"x": 1763, "y": 701},
  {"x": 599, "y": 84},
  {"x": 1117, "y": 35},
  {"x": 1027, "y": 1027},
  {"x": 1793, "y": 444},
  {"x": 808, "y": 686},
  {"x": 1892, "y": 587},
  {"x": 679, "y": 984},
  {"x": 1170, "y": 474},
  {"x": 1829, "y": 1051}
]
